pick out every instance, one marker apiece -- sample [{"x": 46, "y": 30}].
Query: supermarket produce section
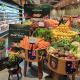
[{"x": 43, "y": 36}]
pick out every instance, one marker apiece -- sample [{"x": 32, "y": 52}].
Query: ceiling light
[{"x": 78, "y": 0}]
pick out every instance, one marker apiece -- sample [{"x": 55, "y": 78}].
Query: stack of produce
[
  {"x": 63, "y": 32},
  {"x": 75, "y": 49},
  {"x": 51, "y": 23},
  {"x": 65, "y": 49},
  {"x": 43, "y": 33},
  {"x": 40, "y": 44},
  {"x": 13, "y": 56}
]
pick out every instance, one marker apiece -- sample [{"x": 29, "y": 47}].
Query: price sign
[
  {"x": 32, "y": 40},
  {"x": 71, "y": 67},
  {"x": 31, "y": 54},
  {"x": 53, "y": 62}
]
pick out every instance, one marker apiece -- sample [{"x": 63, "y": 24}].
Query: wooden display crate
[
  {"x": 62, "y": 66},
  {"x": 37, "y": 58},
  {"x": 32, "y": 56}
]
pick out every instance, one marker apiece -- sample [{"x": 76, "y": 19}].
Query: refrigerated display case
[{"x": 9, "y": 14}]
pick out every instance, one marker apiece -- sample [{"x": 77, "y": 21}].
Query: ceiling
[
  {"x": 51, "y": 2},
  {"x": 64, "y": 3},
  {"x": 54, "y": 3},
  {"x": 22, "y": 2}
]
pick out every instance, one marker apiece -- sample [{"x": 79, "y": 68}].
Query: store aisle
[{"x": 32, "y": 74}]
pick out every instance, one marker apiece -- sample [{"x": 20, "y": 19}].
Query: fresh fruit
[{"x": 63, "y": 32}]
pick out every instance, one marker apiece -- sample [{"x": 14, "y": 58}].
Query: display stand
[
  {"x": 62, "y": 67},
  {"x": 25, "y": 68},
  {"x": 34, "y": 53},
  {"x": 37, "y": 59}
]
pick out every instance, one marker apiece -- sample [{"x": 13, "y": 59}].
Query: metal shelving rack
[{"x": 9, "y": 14}]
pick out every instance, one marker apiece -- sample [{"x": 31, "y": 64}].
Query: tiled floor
[{"x": 32, "y": 74}]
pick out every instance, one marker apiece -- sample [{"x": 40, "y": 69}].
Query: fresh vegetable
[
  {"x": 73, "y": 49},
  {"x": 77, "y": 38},
  {"x": 40, "y": 43},
  {"x": 63, "y": 43},
  {"x": 43, "y": 33}
]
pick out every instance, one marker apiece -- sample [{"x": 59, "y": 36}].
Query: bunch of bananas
[{"x": 63, "y": 32}]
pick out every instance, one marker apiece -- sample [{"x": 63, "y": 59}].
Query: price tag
[
  {"x": 41, "y": 24},
  {"x": 32, "y": 40},
  {"x": 71, "y": 67},
  {"x": 53, "y": 62},
  {"x": 31, "y": 54}
]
